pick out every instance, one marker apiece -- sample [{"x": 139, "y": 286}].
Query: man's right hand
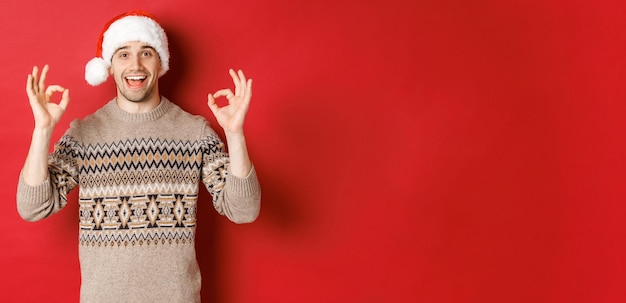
[{"x": 46, "y": 113}]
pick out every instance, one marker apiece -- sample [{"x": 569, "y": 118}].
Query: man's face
[{"x": 135, "y": 66}]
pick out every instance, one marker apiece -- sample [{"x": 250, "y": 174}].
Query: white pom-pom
[{"x": 96, "y": 71}]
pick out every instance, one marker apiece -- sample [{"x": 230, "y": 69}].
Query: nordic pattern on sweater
[{"x": 138, "y": 190}]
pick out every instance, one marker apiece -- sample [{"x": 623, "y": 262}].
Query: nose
[{"x": 135, "y": 62}]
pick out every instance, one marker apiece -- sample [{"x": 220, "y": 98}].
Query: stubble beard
[{"x": 135, "y": 96}]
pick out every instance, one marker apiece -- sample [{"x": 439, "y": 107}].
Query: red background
[{"x": 408, "y": 150}]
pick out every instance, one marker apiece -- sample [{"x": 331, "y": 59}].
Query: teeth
[{"x": 136, "y": 77}]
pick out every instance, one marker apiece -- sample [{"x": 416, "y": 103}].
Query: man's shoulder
[
  {"x": 183, "y": 115},
  {"x": 101, "y": 114}
]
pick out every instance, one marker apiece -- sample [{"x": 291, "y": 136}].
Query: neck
[{"x": 138, "y": 107}]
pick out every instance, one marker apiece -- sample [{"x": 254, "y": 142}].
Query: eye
[{"x": 147, "y": 54}]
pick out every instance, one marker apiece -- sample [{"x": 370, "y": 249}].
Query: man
[{"x": 138, "y": 162}]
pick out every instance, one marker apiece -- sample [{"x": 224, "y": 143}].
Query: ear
[{"x": 160, "y": 65}]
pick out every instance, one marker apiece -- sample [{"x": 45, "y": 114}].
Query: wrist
[
  {"x": 232, "y": 136},
  {"x": 40, "y": 131}
]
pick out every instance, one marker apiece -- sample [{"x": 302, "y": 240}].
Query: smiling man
[
  {"x": 138, "y": 162},
  {"x": 136, "y": 84}
]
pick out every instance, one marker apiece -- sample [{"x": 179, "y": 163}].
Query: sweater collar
[{"x": 152, "y": 115}]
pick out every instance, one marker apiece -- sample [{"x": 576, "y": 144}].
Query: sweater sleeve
[
  {"x": 41, "y": 201},
  {"x": 239, "y": 199}
]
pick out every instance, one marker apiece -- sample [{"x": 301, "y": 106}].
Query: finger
[
  {"x": 211, "y": 100},
  {"x": 29, "y": 86},
  {"x": 242, "y": 80},
  {"x": 34, "y": 79},
  {"x": 212, "y": 104},
  {"x": 50, "y": 90},
  {"x": 226, "y": 92},
  {"x": 236, "y": 81},
  {"x": 248, "y": 94},
  {"x": 42, "y": 79},
  {"x": 54, "y": 88},
  {"x": 249, "y": 89},
  {"x": 65, "y": 99}
]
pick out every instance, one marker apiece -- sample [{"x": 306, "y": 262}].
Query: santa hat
[{"x": 128, "y": 27}]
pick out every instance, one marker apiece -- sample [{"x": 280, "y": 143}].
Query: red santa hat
[{"x": 128, "y": 27}]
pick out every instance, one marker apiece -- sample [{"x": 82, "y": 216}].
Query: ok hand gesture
[
  {"x": 46, "y": 113},
  {"x": 231, "y": 116}
]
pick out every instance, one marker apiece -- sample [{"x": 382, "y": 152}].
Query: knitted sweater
[{"x": 138, "y": 177}]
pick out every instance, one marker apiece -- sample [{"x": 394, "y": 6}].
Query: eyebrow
[{"x": 127, "y": 47}]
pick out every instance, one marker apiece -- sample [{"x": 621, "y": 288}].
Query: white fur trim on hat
[{"x": 127, "y": 29}]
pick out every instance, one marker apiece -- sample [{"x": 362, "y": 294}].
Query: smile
[{"x": 135, "y": 81}]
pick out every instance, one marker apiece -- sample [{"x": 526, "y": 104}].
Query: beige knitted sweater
[{"x": 138, "y": 177}]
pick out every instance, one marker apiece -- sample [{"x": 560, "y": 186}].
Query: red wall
[{"x": 409, "y": 150}]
